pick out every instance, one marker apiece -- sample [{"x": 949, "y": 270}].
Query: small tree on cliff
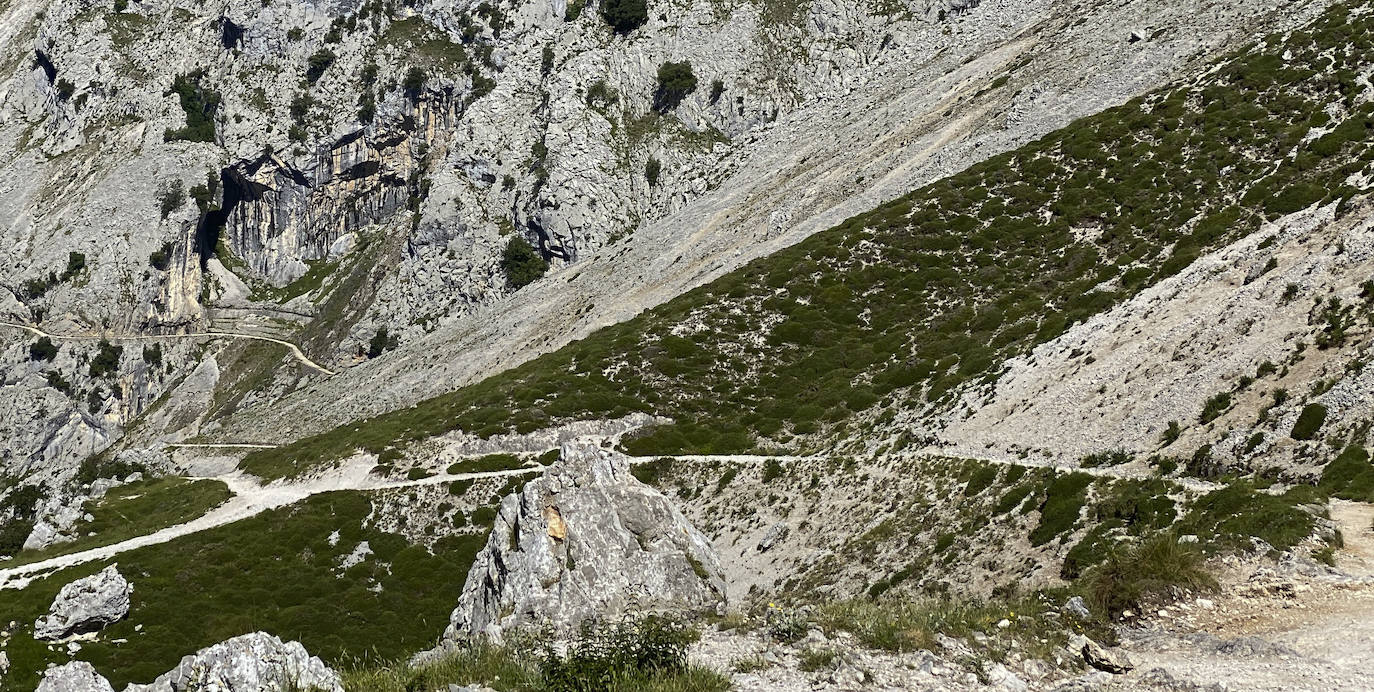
[{"x": 522, "y": 263}]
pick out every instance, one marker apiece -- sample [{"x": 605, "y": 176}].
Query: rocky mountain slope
[{"x": 945, "y": 346}]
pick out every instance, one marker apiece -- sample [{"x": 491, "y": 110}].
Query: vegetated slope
[
  {"x": 991, "y": 79},
  {"x": 843, "y": 527},
  {"x": 1255, "y": 358},
  {"x": 931, "y": 293},
  {"x": 334, "y": 572}
]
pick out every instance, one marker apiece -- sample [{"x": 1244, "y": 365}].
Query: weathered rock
[
  {"x": 1075, "y": 607},
  {"x": 86, "y": 605},
  {"x": 1099, "y": 657},
  {"x": 247, "y": 663},
  {"x": 775, "y": 533},
  {"x": 585, "y": 540},
  {"x": 77, "y": 676}
]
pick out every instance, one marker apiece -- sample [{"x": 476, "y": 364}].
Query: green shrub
[
  {"x": 414, "y": 82},
  {"x": 1170, "y": 434},
  {"x": 675, "y": 82},
  {"x": 417, "y": 473},
  {"x": 76, "y": 263},
  {"x": 1227, "y": 518},
  {"x": 625, "y": 15},
  {"x": 726, "y": 478},
  {"x": 1349, "y": 475},
  {"x": 161, "y": 259},
  {"x": 651, "y": 472},
  {"x": 772, "y": 470},
  {"x": 983, "y": 477},
  {"x": 381, "y": 342},
  {"x": 1064, "y": 499},
  {"x": 200, "y": 105},
  {"x": 522, "y": 264},
  {"x": 1309, "y": 422},
  {"x": 106, "y": 361},
  {"x": 1215, "y": 406},
  {"x": 1130, "y": 576},
  {"x": 170, "y": 196},
  {"x": 652, "y": 169},
  {"x": 42, "y": 349},
  {"x": 1111, "y": 457},
  {"x": 317, "y": 63},
  {"x": 152, "y": 355},
  {"x": 619, "y": 653},
  {"x": 485, "y": 464},
  {"x": 717, "y": 88}
]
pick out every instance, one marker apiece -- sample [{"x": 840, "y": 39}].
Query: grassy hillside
[
  {"x": 278, "y": 572},
  {"x": 933, "y": 291}
]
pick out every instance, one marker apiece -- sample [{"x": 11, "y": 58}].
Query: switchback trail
[{"x": 295, "y": 350}]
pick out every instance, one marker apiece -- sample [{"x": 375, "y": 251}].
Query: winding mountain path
[
  {"x": 250, "y": 498},
  {"x": 296, "y": 352}
]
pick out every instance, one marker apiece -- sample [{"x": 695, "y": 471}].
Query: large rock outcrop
[
  {"x": 585, "y": 540},
  {"x": 86, "y": 605},
  {"x": 247, "y": 663},
  {"x": 77, "y": 676}
]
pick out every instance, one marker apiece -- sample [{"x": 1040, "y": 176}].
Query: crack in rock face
[{"x": 586, "y": 540}]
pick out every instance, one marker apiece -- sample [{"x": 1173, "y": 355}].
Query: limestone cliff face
[{"x": 277, "y": 216}]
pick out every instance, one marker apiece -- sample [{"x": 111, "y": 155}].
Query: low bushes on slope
[
  {"x": 630, "y": 656},
  {"x": 932, "y": 291},
  {"x": 1154, "y": 568},
  {"x": 279, "y": 572},
  {"x": 1350, "y": 475}
]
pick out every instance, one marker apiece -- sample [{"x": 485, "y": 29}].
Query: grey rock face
[
  {"x": 585, "y": 540},
  {"x": 247, "y": 663},
  {"x": 77, "y": 676},
  {"x": 86, "y": 605}
]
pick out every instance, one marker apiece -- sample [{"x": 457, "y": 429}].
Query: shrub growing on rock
[
  {"x": 200, "y": 105},
  {"x": 43, "y": 349},
  {"x": 414, "y": 82},
  {"x": 170, "y": 196},
  {"x": 318, "y": 62},
  {"x": 106, "y": 361},
  {"x": 625, "y": 15},
  {"x": 675, "y": 82},
  {"x": 1309, "y": 422},
  {"x": 652, "y": 169},
  {"x": 522, "y": 264}
]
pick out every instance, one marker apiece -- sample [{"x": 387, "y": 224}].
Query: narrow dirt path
[
  {"x": 1293, "y": 626},
  {"x": 250, "y": 498},
  {"x": 296, "y": 352}
]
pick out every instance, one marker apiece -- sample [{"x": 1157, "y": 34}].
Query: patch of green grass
[
  {"x": 1228, "y": 517},
  {"x": 276, "y": 572},
  {"x": 1309, "y": 422},
  {"x": 900, "y": 625},
  {"x": 812, "y": 660},
  {"x": 137, "y": 509},
  {"x": 982, "y": 479},
  {"x": 1064, "y": 499},
  {"x": 486, "y": 464},
  {"x": 1349, "y": 476},
  {"x": 1127, "y": 577}
]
